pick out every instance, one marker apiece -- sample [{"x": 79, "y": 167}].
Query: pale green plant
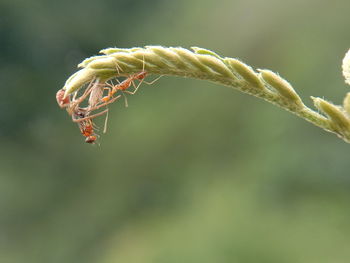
[{"x": 207, "y": 65}]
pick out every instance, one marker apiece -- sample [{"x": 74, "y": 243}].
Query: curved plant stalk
[{"x": 207, "y": 65}]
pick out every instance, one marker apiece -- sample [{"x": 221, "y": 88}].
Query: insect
[
  {"x": 86, "y": 126},
  {"x": 125, "y": 84}
]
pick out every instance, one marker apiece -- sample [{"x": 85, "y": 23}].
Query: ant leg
[
  {"x": 89, "y": 117},
  {"x": 108, "y": 102},
  {"x": 108, "y": 85},
  {"x": 125, "y": 98},
  {"x": 122, "y": 86},
  {"x": 112, "y": 89},
  {"x": 95, "y": 126},
  {"x": 153, "y": 81},
  {"x": 97, "y": 114},
  {"x": 138, "y": 86},
  {"x": 105, "y": 103},
  {"x": 135, "y": 88},
  {"x": 89, "y": 88}
]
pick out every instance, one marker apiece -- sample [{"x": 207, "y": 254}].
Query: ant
[
  {"x": 125, "y": 84},
  {"x": 86, "y": 126}
]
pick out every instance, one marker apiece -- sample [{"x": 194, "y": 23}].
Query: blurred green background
[{"x": 191, "y": 171}]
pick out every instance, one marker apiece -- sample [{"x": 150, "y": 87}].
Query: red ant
[
  {"x": 125, "y": 84},
  {"x": 86, "y": 126}
]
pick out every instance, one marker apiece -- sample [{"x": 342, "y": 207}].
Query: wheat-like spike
[
  {"x": 346, "y": 67},
  {"x": 346, "y": 103},
  {"x": 207, "y": 65}
]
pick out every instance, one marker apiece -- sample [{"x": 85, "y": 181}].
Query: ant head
[
  {"x": 141, "y": 75},
  {"x": 62, "y": 101},
  {"x": 91, "y": 139}
]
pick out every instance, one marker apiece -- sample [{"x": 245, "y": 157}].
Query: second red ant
[{"x": 125, "y": 84}]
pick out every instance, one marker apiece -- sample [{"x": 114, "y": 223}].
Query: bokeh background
[{"x": 191, "y": 171}]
